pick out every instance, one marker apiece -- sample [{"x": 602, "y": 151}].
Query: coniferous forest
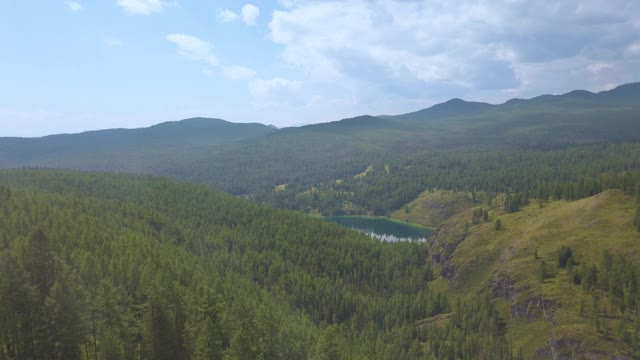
[{"x": 124, "y": 267}]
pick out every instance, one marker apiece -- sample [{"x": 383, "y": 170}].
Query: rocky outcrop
[
  {"x": 503, "y": 287},
  {"x": 441, "y": 246},
  {"x": 530, "y": 308},
  {"x": 569, "y": 349},
  {"x": 536, "y": 307}
]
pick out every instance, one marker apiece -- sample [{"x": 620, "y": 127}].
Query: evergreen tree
[{"x": 542, "y": 271}]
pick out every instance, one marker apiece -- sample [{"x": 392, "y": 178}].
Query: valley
[{"x": 509, "y": 230}]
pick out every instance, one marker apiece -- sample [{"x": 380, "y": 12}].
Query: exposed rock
[
  {"x": 535, "y": 308},
  {"x": 441, "y": 247},
  {"x": 531, "y": 309},
  {"x": 503, "y": 287},
  {"x": 569, "y": 349}
]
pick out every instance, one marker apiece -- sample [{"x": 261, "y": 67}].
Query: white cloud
[
  {"x": 598, "y": 67},
  {"x": 633, "y": 49},
  {"x": 143, "y": 7},
  {"x": 73, "y": 6},
  {"x": 197, "y": 49},
  {"x": 421, "y": 49},
  {"x": 236, "y": 72},
  {"x": 605, "y": 87},
  {"x": 276, "y": 91},
  {"x": 193, "y": 48},
  {"x": 228, "y": 16},
  {"x": 112, "y": 41},
  {"x": 250, "y": 14},
  {"x": 287, "y": 3}
]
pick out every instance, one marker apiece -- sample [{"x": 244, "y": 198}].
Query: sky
[{"x": 71, "y": 66}]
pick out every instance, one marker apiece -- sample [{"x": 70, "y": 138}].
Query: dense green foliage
[
  {"x": 122, "y": 267},
  {"x": 615, "y": 298},
  {"x": 475, "y": 330}
]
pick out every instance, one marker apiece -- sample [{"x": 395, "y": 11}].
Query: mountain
[
  {"x": 460, "y": 145},
  {"x": 453, "y": 107},
  {"x": 126, "y": 149},
  {"x": 626, "y": 94},
  {"x": 355, "y": 124}
]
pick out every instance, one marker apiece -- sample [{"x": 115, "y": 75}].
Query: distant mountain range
[
  {"x": 623, "y": 95},
  {"x": 126, "y": 149},
  {"x": 252, "y": 159}
]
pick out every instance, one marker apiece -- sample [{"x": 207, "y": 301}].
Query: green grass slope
[
  {"x": 433, "y": 207},
  {"x": 554, "y": 315}
]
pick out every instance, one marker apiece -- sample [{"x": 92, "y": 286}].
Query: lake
[{"x": 384, "y": 228}]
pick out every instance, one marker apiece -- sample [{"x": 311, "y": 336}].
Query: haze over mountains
[
  {"x": 253, "y": 159},
  {"x": 124, "y": 149},
  {"x": 199, "y": 133}
]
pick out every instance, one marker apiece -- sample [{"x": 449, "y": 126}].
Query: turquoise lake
[{"x": 384, "y": 228}]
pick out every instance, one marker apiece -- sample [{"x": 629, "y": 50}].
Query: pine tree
[
  {"x": 40, "y": 263},
  {"x": 64, "y": 323},
  {"x": 326, "y": 347},
  {"x": 210, "y": 334},
  {"x": 160, "y": 333},
  {"x": 542, "y": 271}
]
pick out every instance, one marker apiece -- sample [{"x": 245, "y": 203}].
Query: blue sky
[{"x": 69, "y": 66}]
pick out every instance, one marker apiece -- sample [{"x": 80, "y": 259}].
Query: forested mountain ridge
[
  {"x": 626, "y": 94},
  {"x": 512, "y": 147},
  {"x": 137, "y": 150},
  {"x": 517, "y": 146}
]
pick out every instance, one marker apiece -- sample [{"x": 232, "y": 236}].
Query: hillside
[
  {"x": 433, "y": 207},
  {"x": 555, "y": 315},
  {"x": 179, "y": 263},
  {"x": 108, "y": 266}
]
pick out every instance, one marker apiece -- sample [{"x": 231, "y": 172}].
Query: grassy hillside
[
  {"x": 554, "y": 314},
  {"x": 433, "y": 207}
]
